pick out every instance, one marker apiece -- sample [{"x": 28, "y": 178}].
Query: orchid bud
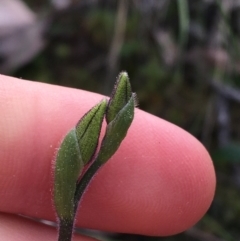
[
  {"x": 68, "y": 167},
  {"x": 88, "y": 130},
  {"x": 120, "y": 96},
  {"x": 76, "y": 149},
  {"x": 116, "y": 131}
]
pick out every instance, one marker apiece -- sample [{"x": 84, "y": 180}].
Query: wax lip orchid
[{"x": 79, "y": 146}]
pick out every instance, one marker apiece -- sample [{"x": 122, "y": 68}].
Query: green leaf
[
  {"x": 88, "y": 130},
  {"x": 116, "y": 131},
  {"x": 69, "y": 164},
  {"x": 120, "y": 96}
]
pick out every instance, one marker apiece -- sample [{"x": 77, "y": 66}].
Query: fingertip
[
  {"x": 181, "y": 173},
  {"x": 162, "y": 182}
]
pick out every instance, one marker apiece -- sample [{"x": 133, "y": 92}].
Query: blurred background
[{"x": 183, "y": 59}]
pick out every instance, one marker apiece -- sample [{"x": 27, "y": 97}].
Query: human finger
[
  {"x": 16, "y": 228},
  {"x": 160, "y": 182}
]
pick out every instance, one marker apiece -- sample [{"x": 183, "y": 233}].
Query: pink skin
[{"x": 160, "y": 182}]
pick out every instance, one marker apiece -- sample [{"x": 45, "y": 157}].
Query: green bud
[
  {"x": 88, "y": 130},
  {"x": 116, "y": 131},
  {"x": 67, "y": 170},
  {"x": 120, "y": 96},
  {"x": 79, "y": 146}
]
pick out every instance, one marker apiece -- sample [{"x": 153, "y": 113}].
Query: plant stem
[
  {"x": 66, "y": 226},
  {"x": 65, "y": 230},
  {"x": 85, "y": 180}
]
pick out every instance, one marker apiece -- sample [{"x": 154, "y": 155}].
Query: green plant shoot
[{"x": 78, "y": 151}]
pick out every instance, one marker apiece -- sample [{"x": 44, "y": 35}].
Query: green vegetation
[{"x": 183, "y": 59}]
